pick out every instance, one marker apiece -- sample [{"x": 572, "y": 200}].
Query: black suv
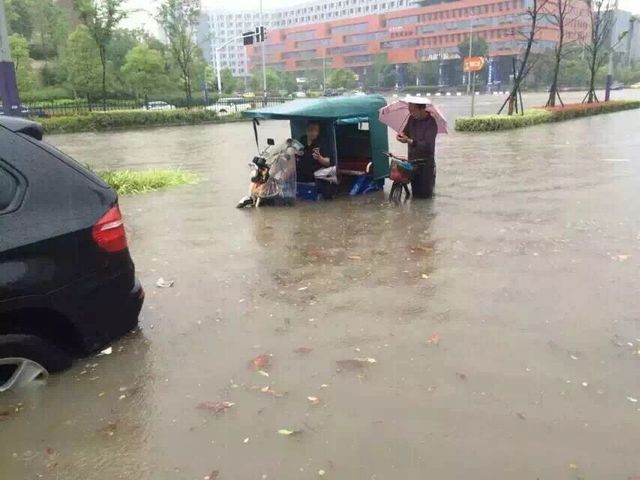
[{"x": 67, "y": 281}]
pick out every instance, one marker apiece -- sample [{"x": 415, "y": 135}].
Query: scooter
[{"x": 273, "y": 177}]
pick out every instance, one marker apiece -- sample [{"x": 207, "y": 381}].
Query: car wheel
[{"x": 24, "y": 358}]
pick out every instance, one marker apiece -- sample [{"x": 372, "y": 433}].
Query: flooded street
[{"x": 503, "y": 318}]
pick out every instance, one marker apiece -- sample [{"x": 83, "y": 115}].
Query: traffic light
[
  {"x": 248, "y": 38},
  {"x": 263, "y": 34}
]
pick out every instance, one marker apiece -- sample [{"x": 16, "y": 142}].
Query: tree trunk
[
  {"x": 553, "y": 91},
  {"x": 103, "y": 60},
  {"x": 592, "y": 81}
]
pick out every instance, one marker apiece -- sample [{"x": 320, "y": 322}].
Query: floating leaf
[
  {"x": 263, "y": 373},
  {"x": 425, "y": 276},
  {"x": 355, "y": 363},
  {"x": 215, "y": 407},
  {"x": 314, "y": 400},
  {"x": 303, "y": 350},
  {"x": 434, "y": 339},
  {"x": 302, "y": 289},
  {"x": 354, "y": 257},
  {"x": 260, "y": 362},
  {"x": 106, "y": 351},
  {"x": 632, "y": 399},
  {"x": 289, "y": 433}
]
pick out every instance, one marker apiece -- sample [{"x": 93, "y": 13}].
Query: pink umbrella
[{"x": 396, "y": 115}]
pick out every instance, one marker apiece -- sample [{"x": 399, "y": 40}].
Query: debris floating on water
[
  {"x": 261, "y": 362},
  {"x": 162, "y": 283},
  {"x": 213, "y": 475},
  {"x": 288, "y": 433},
  {"x": 106, "y": 351},
  {"x": 355, "y": 363},
  {"x": 303, "y": 350},
  {"x": 216, "y": 407},
  {"x": 434, "y": 339}
]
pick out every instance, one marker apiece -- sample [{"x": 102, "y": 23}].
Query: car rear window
[
  {"x": 8, "y": 189},
  {"x": 68, "y": 161}
]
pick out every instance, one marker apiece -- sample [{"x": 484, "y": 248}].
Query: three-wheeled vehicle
[{"x": 350, "y": 135}]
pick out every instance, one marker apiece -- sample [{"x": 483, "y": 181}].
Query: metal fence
[{"x": 59, "y": 108}]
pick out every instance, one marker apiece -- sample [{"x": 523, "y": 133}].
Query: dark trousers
[{"x": 424, "y": 178}]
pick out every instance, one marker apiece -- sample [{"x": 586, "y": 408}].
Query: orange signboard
[{"x": 473, "y": 64}]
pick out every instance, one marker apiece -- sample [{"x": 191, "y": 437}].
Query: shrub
[
  {"x": 129, "y": 182},
  {"x": 492, "y": 123},
  {"x": 116, "y": 120}
]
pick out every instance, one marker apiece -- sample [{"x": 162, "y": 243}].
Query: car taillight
[{"x": 109, "y": 233}]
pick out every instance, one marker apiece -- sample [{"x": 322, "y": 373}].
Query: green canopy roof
[{"x": 322, "y": 108}]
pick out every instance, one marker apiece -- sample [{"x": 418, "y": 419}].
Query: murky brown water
[{"x": 525, "y": 266}]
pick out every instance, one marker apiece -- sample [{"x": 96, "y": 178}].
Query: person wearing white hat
[{"x": 419, "y": 135}]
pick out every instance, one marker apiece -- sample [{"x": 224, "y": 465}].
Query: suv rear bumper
[{"x": 102, "y": 312}]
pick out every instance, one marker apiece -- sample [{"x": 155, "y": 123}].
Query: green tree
[
  {"x": 121, "y": 44},
  {"x": 50, "y": 28},
  {"x": 426, "y": 73},
  {"x": 20, "y": 56},
  {"x": 179, "y": 21},
  {"x": 342, "y": 78},
  {"x": 229, "y": 82},
  {"x": 288, "y": 81},
  {"x": 82, "y": 64},
  {"x": 602, "y": 23},
  {"x": 273, "y": 80},
  {"x": 19, "y": 17},
  {"x": 376, "y": 73},
  {"x": 143, "y": 70},
  {"x": 480, "y": 47},
  {"x": 101, "y": 17}
]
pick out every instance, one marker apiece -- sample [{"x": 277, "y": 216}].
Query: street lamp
[
  {"x": 8, "y": 83},
  {"x": 264, "y": 68}
]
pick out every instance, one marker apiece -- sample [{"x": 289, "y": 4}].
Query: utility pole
[
  {"x": 8, "y": 83},
  {"x": 470, "y": 51},
  {"x": 264, "y": 67},
  {"x": 324, "y": 71}
]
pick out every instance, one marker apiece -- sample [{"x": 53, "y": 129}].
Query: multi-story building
[
  {"x": 431, "y": 31},
  {"x": 625, "y": 37},
  {"x": 218, "y": 27}
]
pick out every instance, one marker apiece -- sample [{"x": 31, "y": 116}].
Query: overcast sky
[{"x": 629, "y": 5}]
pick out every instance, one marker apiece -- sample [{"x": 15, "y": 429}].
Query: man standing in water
[{"x": 420, "y": 135}]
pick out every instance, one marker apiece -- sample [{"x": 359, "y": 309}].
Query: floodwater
[{"x": 503, "y": 317}]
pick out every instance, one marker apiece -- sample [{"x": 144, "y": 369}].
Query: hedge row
[
  {"x": 119, "y": 120},
  {"x": 493, "y": 123}
]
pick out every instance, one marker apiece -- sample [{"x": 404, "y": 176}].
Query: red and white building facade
[{"x": 431, "y": 32}]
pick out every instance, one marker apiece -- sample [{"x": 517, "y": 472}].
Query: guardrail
[{"x": 58, "y": 109}]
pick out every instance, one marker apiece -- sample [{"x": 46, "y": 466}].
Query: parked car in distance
[
  {"x": 67, "y": 282},
  {"x": 226, "y": 106},
  {"x": 635, "y": 85},
  {"x": 159, "y": 106},
  {"x": 617, "y": 86}
]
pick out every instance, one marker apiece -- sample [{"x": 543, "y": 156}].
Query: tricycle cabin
[{"x": 351, "y": 136}]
